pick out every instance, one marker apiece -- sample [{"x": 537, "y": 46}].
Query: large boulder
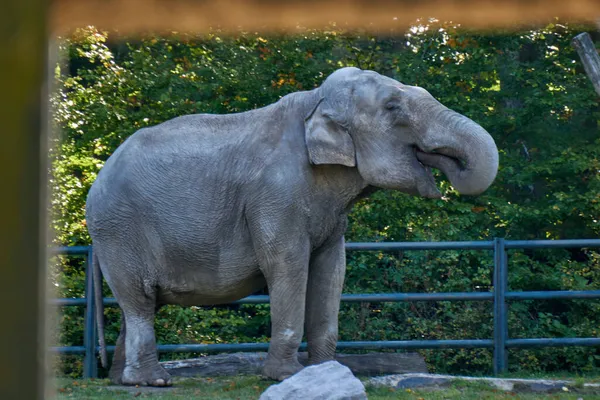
[{"x": 328, "y": 381}]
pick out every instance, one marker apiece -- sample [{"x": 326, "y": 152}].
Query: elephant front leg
[
  {"x": 325, "y": 283},
  {"x": 286, "y": 276}
]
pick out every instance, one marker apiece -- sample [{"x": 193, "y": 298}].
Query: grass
[
  {"x": 239, "y": 387},
  {"x": 591, "y": 377},
  {"x": 250, "y": 387}
]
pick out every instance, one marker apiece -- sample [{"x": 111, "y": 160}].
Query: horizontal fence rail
[
  {"x": 397, "y": 297},
  {"x": 500, "y": 297}
]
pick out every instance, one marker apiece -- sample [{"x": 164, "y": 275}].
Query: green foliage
[{"x": 527, "y": 89}]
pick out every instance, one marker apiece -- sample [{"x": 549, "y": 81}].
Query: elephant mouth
[{"x": 447, "y": 160}]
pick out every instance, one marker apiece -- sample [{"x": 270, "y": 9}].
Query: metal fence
[{"x": 500, "y": 297}]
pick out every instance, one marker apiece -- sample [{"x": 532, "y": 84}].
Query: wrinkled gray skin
[{"x": 207, "y": 209}]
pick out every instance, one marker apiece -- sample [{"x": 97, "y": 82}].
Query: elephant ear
[{"x": 328, "y": 142}]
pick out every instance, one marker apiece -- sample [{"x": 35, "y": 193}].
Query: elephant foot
[
  {"x": 116, "y": 376},
  {"x": 320, "y": 360},
  {"x": 156, "y": 376},
  {"x": 280, "y": 370}
]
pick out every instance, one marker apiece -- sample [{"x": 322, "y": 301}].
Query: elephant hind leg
[
  {"x": 136, "y": 360},
  {"x": 141, "y": 357},
  {"x": 118, "y": 362}
]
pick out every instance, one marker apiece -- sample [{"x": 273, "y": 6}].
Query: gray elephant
[{"x": 207, "y": 209}]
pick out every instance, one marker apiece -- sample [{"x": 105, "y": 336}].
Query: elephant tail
[{"x": 99, "y": 302}]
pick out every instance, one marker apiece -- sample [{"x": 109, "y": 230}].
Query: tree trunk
[
  {"x": 589, "y": 57},
  {"x": 252, "y": 363}
]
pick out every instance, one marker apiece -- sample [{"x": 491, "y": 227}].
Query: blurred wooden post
[
  {"x": 589, "y": 57},
  {"x": 23, "y": 109},
  {"x": 136, "y": 16}
]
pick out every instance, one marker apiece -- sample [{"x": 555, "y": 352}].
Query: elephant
[{"x": 206, "y": 209}]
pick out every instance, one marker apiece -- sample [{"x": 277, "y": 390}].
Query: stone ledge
[{"x": 432, "y": 381}]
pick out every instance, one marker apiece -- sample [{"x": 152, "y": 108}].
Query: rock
[
  {"x": 419, "y": 382},
  {"x": 431, "y": 381},
  {"x": 328, "y": 381},
  {"x": 369, "y": 364}
]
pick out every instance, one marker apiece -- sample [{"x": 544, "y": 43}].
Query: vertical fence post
[
  {"x": 23, "y": 173},
  {"x": 90, "y": 363},
  {"x": 500, "y": 306}
]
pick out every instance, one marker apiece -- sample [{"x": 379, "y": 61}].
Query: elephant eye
[{"x": 392, "y": 105}]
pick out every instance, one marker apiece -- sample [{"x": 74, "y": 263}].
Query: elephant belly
[{"x": 206, "y": 283}]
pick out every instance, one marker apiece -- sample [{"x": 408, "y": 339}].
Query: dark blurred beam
[
  {"x": 23, "y": 112},
  {"x": 134, "y": 16}
]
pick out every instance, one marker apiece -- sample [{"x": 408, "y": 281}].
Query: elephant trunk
[{"x": 462, "y": 150}]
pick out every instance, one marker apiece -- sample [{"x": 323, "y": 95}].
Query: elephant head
[{"x": 393, "y": 133}]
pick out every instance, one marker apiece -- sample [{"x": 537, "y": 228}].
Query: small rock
[
  {"x": 328, "y": 381},
  {"x": 419, "y": 382}
]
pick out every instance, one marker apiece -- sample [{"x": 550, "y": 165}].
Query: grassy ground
[
  {"x": 591, "y": 377},
  {"x": 250, "y": 387}
]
